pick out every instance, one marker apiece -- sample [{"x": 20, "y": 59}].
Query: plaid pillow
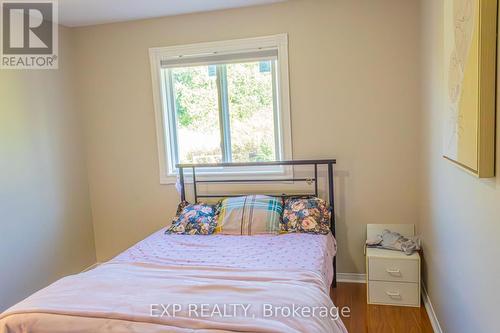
[
  {"x": 310, "y": 215},
  {"x": 249, "y": 215},
  {"x": 194, "y": 219}
]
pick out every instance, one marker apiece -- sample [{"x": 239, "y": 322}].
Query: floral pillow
[
  {"x": 310, "y": 215},
  {"x": 194, "y": 219}
]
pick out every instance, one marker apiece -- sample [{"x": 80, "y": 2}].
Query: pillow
[
  {"x": 310, "y": 215},
  {"x": 194, "y": 219},
  {"x": 249, "y": 215}
]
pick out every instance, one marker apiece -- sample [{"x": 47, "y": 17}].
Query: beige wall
[
  {"x": 45, "y": 216},
  {"x": 354, "y": 78},
  {"x": 460, "y": 220}
]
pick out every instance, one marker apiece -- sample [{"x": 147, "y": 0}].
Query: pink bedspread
[
  {"x": 130, "y": 293},
  {"x": 285, "y": 252}
]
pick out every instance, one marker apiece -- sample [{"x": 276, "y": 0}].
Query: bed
[{"x": 185, "y": 283}]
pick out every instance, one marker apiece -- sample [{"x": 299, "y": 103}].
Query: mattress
[{"x": 131, "y": 292}]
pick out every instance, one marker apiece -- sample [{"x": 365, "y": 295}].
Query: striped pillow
[{"x": 249, "y": 215}]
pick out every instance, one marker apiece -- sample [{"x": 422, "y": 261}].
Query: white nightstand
[{"x": 392, "y": 277}]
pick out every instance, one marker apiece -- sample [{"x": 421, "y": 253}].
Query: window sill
[{"x": 268, "y": 176}]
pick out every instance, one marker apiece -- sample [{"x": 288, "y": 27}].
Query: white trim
[
  {"x": 157, "y": 81},
  {"x": 157, "y": 54},
  {"x": 351, "y": 277},
  {"x": 430, "y": 310},
  {"x": 220, "y": 47},
  {"x": 91, "y": 267}
]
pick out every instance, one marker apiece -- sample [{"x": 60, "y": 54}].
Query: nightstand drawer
[
  {"x": 385, "y": 269},
  {"x": 394, "y": 293}
]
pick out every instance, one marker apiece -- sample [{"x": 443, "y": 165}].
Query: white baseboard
[
  {"x": 351, "y": 277},
  {"x": 430, "y": 311},
  {"x": 91, "y": 267}
]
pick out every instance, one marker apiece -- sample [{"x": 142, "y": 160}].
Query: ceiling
[{"x": 76, "y": 13}]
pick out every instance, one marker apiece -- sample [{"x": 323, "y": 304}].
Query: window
[
  {"x": 222, "y": 102},
  {"x": 224, "y": 112}
]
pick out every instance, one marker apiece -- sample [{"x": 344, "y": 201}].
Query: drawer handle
[
  {"x": 393, "y": 271},
  {"x": 393, "y": 294}
]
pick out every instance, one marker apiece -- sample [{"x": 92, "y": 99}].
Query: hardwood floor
[{"x": 377, "y": 318}]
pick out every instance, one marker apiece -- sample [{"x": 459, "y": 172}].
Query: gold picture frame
[{"x": 470, "y": 39}]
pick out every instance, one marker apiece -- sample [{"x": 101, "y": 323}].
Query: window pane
[
  {"x": 196, "y": 106},
  {"x": 250, "y": 89}
]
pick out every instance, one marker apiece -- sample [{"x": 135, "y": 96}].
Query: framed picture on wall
[{"x": 470, "y": 38}]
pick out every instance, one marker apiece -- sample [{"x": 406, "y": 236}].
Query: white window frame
[{"x": 164, "y": 121}]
